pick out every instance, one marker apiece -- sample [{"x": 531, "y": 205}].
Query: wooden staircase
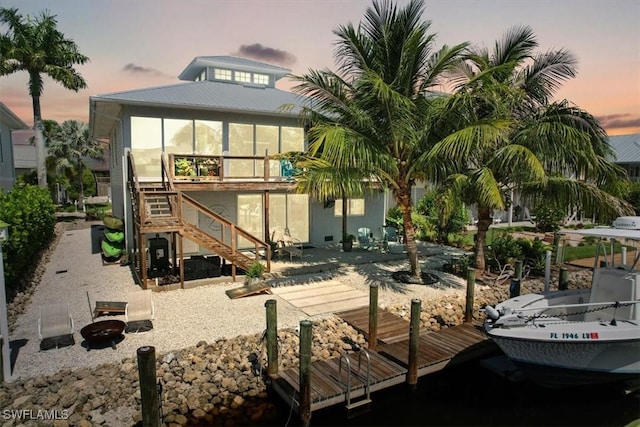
[{"x": 157, "y": 208}]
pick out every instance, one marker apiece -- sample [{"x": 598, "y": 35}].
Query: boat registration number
[{"x": 574, "y": 335}]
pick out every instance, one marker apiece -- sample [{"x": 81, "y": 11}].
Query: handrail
[
  {"x": 165, "y": 172},
  {"x": 586, "y": 304},
  {"x": 346, "y": 357},
  {"x": 131, "y": 165},
  {"x": 366, "y": 353},
  {"x": 221, "y": 173}
]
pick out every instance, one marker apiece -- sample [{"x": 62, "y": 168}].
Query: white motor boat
[{"x": 580, "y": 336}]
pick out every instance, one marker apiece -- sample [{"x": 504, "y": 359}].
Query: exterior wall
[
  {"x": 326, "y": 225},
  {"x": 7, "y": 170}
]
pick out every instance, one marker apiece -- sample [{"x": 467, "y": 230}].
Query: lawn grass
[{"x": 589, "y": 251}]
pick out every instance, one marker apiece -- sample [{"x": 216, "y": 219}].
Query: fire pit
[{"x": 104, "y": 331}]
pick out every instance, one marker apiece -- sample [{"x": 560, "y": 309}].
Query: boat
[{"x": 579, "y": 336}]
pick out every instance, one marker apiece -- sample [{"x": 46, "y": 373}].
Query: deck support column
[
  {"x": 414, "y": 335},
  {"x": 518, "y": 269},
  {"x": 373, "y": 316},
  {"x": 143, "y": 260},
  {"x": 304, "y": 408},
  {"x": 471, "y": 284},
  {"x": 272, "y": 337}
]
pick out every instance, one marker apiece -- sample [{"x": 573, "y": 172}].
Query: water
[{"x": 470, "y": 395}]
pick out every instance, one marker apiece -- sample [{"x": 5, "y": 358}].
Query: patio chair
[
  {"x": 139, "y": 312},
  {"x": 365, "y": 238},
  {"x": 390, "y": 234},
  {"x": 285, "y": 244},
  {"x": 55, "y": 326}
]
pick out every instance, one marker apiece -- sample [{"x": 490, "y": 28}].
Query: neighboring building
[
  {"x": 24, "y": 152},
  {"x": 627, "y": 152},
  {"x": 219, "y": 125},
  {"x": 8, "y": 122}
]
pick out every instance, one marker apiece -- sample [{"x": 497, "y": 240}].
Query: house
[
  {"x": 8, "y": 122},
  {"x": 627, "y": 152},
  {"x": 193, "y": 162}
]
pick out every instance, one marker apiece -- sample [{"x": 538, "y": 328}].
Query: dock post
[
  {"x": 304, "y": 407},
  {"x": 471, "y": 283},
  {"x": 518, "y": 269},
  {"x": 148, "y": 389},
  {"x": 414, "y": 335},
  {"x": 563, "y": 280},
  {"x": 272, "y": 337},
  {"x": 373, "y": 316},
  {"x": 623, "y": 255},
  {"x": 547, "y": 271}
]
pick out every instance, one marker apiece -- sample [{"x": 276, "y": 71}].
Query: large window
[
  {"x": 208, "y": 137},
  {"x": 178, "y": 136},
  {"x": 292, "y": 139},
  {"x": 241, "y": 76},
  {"x": 146, "y": 145},
  {"x": 241, "y": 144},
  {"x": 222, "y": 74},
  {"x": 355, "y": 207},
  {"x": 261, "y": 79}
]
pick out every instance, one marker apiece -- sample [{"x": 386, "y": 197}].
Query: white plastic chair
[
  {"x": 139, "y": 311},
  {"x": 54, "y": 321}
]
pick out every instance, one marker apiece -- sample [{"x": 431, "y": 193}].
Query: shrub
[
  {"x": 30, "y": 213},
  {"x": 548, "y": 218}
]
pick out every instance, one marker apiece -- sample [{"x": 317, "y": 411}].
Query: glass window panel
[
  {"x": 241, "y": 76},
  {"x": 261, "y": 79},
  {"x": 292, "y": 139},
  {"x": 277, "y": 211},
  {"x": 208, "y": 137},
  {"x": 250, "y": 217},
  {"x": 355, "y": 207},
  {"x": 298, "y": 216},
  {"x": 146, "y": 145},
  {"x": 178, "y": 136},
  {"x": 222, "y": 74},
  {"x": 241, "y": 144},
  {"x": 266, "y": 139}
]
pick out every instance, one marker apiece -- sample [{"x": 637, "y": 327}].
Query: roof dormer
[{"x": 231, "y": 69}]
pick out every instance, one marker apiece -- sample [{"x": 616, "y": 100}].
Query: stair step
[{"x": 358, "y": 404}]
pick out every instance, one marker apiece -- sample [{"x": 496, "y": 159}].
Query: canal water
[{"x": 470, "y": 395}]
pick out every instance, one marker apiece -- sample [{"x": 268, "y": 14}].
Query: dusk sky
[{"x": 146, "y": 43}]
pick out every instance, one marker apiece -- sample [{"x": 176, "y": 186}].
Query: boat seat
[{"x": 611, "y": 284}]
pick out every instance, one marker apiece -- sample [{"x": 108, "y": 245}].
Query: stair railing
[{"x": 232, "y": 230}]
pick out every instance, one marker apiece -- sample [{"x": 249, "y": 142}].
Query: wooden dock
[{"x": 389, "y": 363}]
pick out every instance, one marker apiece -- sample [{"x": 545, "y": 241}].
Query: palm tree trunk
[
  {"x": 81, "y": 196},
  {"x": 484, "y": 221},
  {"x": 38, "y": 127},
  {"x": 344, "y": 222},
  {"x": 403, "y": 198}
]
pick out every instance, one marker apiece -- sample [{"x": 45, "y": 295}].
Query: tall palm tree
[
  {"x": 72, "y": 146},
  {"x": 504, "y": 133},
  {"x": 35, "y": 45},
  {"x": 372, "y": 114}
]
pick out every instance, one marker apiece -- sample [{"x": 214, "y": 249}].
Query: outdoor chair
[
  {"x": 390, "y": 234},
  {"x": 365, "y": 239},
  {"x": 55, "y": 326},
  {"x": 139, "y": 312},
  {"x": 285, "y": 244}
]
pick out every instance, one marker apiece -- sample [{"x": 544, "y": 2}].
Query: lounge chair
[
  {"x": 139, "y": 312},
  {"x": 365, "y": 239},
  {"x": 55, "y": 326},
  {"x": 285, "y": 244}
]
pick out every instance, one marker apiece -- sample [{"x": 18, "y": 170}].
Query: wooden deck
[{"x": 389, "y": 364}]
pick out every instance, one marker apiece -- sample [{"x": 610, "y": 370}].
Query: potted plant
[
  {"x": 184, "y": 167},
  {"x": 347, "y": 242},
  {"x": 254, "y": 273}
]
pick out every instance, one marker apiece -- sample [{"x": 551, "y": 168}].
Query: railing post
[
  {"x": 304, "y": 408},
  {"x": 373, "y": 316},
  {"x": 623, "y": 255},
  {"x": 547, "y": 271},
  {"x": 563, "y": 279},
  {"x": 471, "y": 283},
  {"x": 266, "y": 168},
  {"x": 148, "y": 388},
  {"x": 414, "y": 335}
]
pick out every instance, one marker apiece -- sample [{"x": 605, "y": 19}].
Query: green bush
[
  {"x": 30, "y": 213},
  {"x": 548, "y": 218}
]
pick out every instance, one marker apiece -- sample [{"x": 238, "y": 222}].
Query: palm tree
[
  {"x": 71, "y": 147},
  {"x": 372, "y": 115},
  {"x": 504, "y": 133},
  {"x": 36, "y": 46}
]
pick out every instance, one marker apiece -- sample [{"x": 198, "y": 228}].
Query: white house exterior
[
  {"x": 225, "y": 106},
  {"x": 8, "y": 122}
]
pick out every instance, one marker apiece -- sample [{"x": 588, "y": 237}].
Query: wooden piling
[
  {"x": 471, "y": 284},
  {"x": 148, "y": 388},
  {"x": 304, "y": 408},
  {"x": 414, "y": 336},
  {"x": 272, "y": 337},
  {"x": 518, "y": 268},
  {"x": 373, "y": 316},
  {"x": 563, "y": 279}
]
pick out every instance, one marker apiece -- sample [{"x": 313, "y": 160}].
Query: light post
[{"x": 5, "y": 375}]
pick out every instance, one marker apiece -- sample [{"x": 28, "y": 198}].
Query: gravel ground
[{"x": 183, "y": 317}]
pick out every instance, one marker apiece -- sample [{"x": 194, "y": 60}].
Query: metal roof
[
  {"x": 230, "y": 62},
  {"x": 626, "y": 148},
  {"x": 203, "y": 95},
  {"x": 10, "y": 119}
]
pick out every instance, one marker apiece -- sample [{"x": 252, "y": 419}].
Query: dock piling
[
  {"x": 414, "y": 335},
  {"x": 471, "y": 283},
  {"x": 304, "y": 407},
  {"x": 518, "y": 268},
  {"x": 563, "y": 280},
  {"x": 148, "y": 388},
  {"x": 272, "y": 337},
  {"x": 373, "y": 316}
]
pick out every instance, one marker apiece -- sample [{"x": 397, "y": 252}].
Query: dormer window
[
  {"x": 202, "y": 76},
  {"x": 261, "y": 79},
  {"x": 243, "y": 77},
  {"x": 222, "y": 74}
]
